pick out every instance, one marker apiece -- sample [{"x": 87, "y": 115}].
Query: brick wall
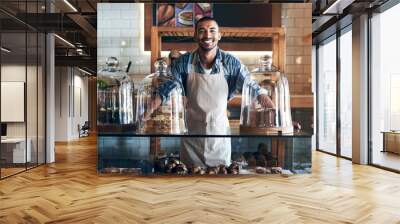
[{"x": 296, "y": 18}]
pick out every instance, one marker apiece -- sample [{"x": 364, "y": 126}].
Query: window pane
[
  {"x": 14, "y": 153},
  {"x": 346, "y": 94},
  {"x": 327, "y": 97},
  {"x": 385, "y": 83}
]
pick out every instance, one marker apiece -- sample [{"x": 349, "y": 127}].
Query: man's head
[{"x": 207, "y": 33}]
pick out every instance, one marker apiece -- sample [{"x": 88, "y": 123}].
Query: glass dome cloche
[
  {"x": 257, "y": 119},
  {"x": 115, "y": 95},
  {"x": 169, "y": 117}
]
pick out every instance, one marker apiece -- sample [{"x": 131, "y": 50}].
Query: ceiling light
[
  {"x": 84, "y": 71},
  {"x": 65, "y": 41},
  {"x": 70, "y": 5},
  {"x": 5, "y": 50},
  {"x": 337, "y": 7}
]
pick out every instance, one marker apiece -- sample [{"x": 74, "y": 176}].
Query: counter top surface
[{"x": 234, "y": 132}]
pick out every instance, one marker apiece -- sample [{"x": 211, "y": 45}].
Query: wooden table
[{"x": 391, "y": 141}]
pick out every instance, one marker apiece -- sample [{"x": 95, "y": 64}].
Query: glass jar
[
  {"x": 169, "y": 117},
  {"x": 257, "y": 119},
  {"x": 115, "y": 95}
]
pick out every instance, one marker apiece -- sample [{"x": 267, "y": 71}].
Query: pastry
[
  {"x": 222, "y": 170},
  {"x": 261, "y": 170},
  {"x": 212, "y": 170},
  {"x": 233, "y": 168},
  {"x": 179, "y": 169},
  {"x": 198, "y": 170},
  {"x": 276, "y": 170}
]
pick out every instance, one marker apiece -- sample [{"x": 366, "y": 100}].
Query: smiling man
[{"x": 210, "y": 76}]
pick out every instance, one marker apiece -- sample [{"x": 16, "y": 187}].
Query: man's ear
[{"x": 219, "y": 36}]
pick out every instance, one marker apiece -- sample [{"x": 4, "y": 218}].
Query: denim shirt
[{"x": 235, "y": 73}]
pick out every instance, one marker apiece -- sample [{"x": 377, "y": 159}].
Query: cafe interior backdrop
[{"x": 139, "y": 33}]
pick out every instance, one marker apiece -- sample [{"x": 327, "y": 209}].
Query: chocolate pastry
[
  {"x": 198, "y": 170},
  {"x": 180, "y": 169},
  {"x": 171, "y": 164},
  {"x": 233, "y": 168},
  {"x": 261, "y": 170},
  {"x": 222, "y": 170},
  {"x": 212, "y": 170},
  {"x": 276, "y": 170}
]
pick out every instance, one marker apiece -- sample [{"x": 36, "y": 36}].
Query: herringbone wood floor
[{"x": 70, "y": 191}]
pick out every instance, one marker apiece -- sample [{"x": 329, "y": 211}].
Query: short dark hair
[{"x": 203, "y": 19}]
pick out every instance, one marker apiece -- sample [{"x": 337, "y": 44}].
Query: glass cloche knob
[
  {"x": 161, "y": 65},
  {"x": 112, "y": 62},
  {"x": 266, "y": 63}
]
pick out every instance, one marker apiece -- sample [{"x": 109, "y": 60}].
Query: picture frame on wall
[
  {"x": 201, "y": 10},
  {"x": 184, "y": 14},
  {"x": 165, "y": 15}
]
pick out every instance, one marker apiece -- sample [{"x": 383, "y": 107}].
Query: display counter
[{"x": 129, "y": 152}]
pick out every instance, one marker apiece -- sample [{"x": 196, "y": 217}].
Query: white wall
[
  {"x": 71, "y": 94},
  {"x": 120, "y": 33},
  {"x": 33, "y": 126},
  {"x": 12, "y": 73}
]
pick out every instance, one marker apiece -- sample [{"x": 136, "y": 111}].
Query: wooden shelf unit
[
  {"x": 278, "y": 45},
  {"x": 276, "y": 33}
]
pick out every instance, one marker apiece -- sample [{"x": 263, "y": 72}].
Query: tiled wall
[
  {"x": 296, "y": 18},
  {"x": 120, "y": 34}
]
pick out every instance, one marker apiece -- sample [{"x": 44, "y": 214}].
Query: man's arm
[
  {"x": 177, "y": 72},
  {"x": 263, "y": 98}
]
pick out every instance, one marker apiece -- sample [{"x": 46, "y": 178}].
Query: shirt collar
[{"x": 216, "y": 66}]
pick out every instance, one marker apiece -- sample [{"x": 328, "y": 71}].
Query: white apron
[{"x": 206, "y": 114}]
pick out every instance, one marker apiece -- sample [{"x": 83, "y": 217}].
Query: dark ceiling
[{"x": 73, "y": 20}]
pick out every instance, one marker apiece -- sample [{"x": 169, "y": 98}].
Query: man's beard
[{"x": 207, "y": 49}]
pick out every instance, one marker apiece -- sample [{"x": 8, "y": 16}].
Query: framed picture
[
  {"x": 184, "y": 14},
  {"x": 166, "y": 15},
  {"x": 201, "y": 10}
]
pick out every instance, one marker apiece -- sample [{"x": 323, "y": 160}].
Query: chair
[{"x": 84, "y": 130}]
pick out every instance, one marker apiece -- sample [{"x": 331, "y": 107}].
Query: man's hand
[
  {"x": 265, "y": 101},
  {"x": 154, "y": 104}
]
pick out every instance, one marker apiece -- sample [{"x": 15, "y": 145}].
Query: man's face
[{"x": 207, "y": 35}]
